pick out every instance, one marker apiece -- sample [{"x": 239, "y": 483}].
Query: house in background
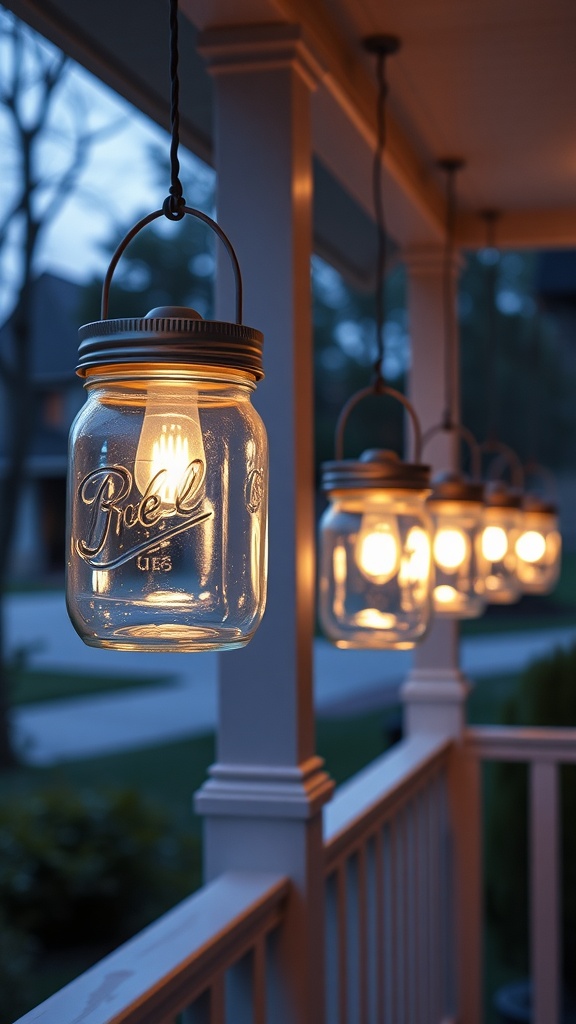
[{"x": 39, "y": 544}]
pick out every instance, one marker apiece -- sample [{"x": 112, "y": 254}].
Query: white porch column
[
  {"x": 435, "y": 691},
  {"x": 262, "y": 803}
]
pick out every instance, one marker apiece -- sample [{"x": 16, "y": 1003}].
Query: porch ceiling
[{"x": 493, "y": 82}]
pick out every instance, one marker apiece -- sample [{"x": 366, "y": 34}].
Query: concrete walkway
[{"x": 185, "y": 704}]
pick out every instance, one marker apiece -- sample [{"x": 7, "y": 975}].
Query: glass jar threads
[
  {"x": 457, "y": 511},
  {"x": 167, "y": 485},
  {"x": 375, "y": 558}
]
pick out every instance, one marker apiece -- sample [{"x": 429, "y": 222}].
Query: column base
[{"x": 434, "y": 701}]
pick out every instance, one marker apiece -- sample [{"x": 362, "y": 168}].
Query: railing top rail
[
  {"x": 377, "y": 789},
  {"x": 519, "y": 743},
  {"x": 159, "y": 972}
]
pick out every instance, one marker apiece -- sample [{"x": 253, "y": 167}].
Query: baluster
[
  {"x": 435, "y": 906},
  {"x": 411, "y": 904},
  {"x": 342, "y": 945},
  {"x": 380, "y": 909},
  {"x": 332, "y": 949},
  {"x": 363, "y": 945},
  {"x": 544, "y": 890},
  {"x": 389, "y": 919},
  {"x": 259, "y": 963},
  {"x": 421, "y": 924}
]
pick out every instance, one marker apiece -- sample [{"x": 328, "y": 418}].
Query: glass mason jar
[
  {"x": 375, "y": 560},
  {"x": 502, "y": 527},
  {"x": 539, "y": 547},
  {"x": 167, "y": 497},
  {"x": 457, "y": 511}
]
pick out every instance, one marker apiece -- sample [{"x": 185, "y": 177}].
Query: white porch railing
[
  {"x": 389, "y": 928},
  {"x": 544, "y": 750},
  {"x": 392, "y": 848},
  {"x": 194, "y": 959}
]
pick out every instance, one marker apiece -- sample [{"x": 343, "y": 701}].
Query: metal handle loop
[
  {"x": 536, "y": 469},
  {"x": 379, "y": 389},
  {"x": 466, "y": 435},
  {"x": 509, "y": 457},
  {"x": 148, "y": 220}
]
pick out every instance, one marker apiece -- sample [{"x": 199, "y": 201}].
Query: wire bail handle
[
  {"x": 507, "y": 456},
  {"x": 465, "y": 435},
  {"x": 163, "y": 213},
  {"x": 536, "y": 469},
  {"x": 379, "y": 389}
]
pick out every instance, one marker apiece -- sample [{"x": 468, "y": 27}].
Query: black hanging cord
[
  {"x": 451, "y": 165},
  {"x": 383, "y": 47},
  {"x": 174, "y": 203},
  {"x": 490, "y": 361}
]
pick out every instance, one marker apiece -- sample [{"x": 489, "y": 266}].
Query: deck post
[
  {"x": 263, "y": 800},
  {"x": 435, "y": 692}
]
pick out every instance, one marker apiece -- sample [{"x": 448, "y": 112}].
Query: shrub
[
  {"x": 546, "y": 696},
  {"x": 16, "y": 958},
  {"x": 82, "y": 867}
]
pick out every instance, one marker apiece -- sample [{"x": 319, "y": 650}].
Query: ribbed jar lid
[
  {"x": 376, "y": 468},
  {"x": 500, "y": 495},
  {"x": 170, "y": 334},
  {"x": 533, "y": 503},
  {"x": 455, "y": 487}
]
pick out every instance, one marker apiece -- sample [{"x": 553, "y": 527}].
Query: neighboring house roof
[{"x": 55, "y": 304}]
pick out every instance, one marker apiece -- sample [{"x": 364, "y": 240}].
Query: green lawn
[{"x": 28, "y": 686}]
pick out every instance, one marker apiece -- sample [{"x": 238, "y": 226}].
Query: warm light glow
[
  {"x": 170, "y": 440},
  {"x": 445, "y": 595},
  {"x": 371, "y": 618},
  {"x": 416, "y": 563},
  {"x": 378, "y": 548},
  {"x": 450, "y": 548},
  {"x": 494, "y": 543},
  {"x": 531, "y": 546}
]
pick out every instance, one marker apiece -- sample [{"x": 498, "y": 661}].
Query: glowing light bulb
[
  {"x": 416, "y": 562},
  {"x": 170, "y": 460},
  {"x": 445, "y": 595},
  {"x": 531, "y": 546},
  {"x": 494, "y": 543},
  {"x": 378, "y": 548},
  {"x": 450, "y": 548}
]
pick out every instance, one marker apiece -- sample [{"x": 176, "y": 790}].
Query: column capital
[
  {"x": 430, "y": 259},
  {"x": 253, "y": 48},
  {"x": 265, "y": 791}
]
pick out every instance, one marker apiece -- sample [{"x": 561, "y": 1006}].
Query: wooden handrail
[
  {"x": 375, "y": 791},
  {"x": 519, "y": 743},
  {"x": 160, "y": 972}
]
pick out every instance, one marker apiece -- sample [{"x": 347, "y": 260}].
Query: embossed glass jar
[{"x": 167, "y": 495}]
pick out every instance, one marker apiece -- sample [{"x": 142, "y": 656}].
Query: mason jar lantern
[
  {"x": 375, "y": 563},
  {"x": 167, "y": 488},
  {"x": 502, "y": 528},
  {"x": 457, "y": 510},
  {"x": 539, "y": 546}
]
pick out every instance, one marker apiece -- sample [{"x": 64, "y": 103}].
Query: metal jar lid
[
  {"x": 500, "y": 495},
  {"x": 455, "y": 487},
  {"x": 376, "y": 468},
  {"x": 170, "y": 334},
  {"x": 533, "y": 503}
]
